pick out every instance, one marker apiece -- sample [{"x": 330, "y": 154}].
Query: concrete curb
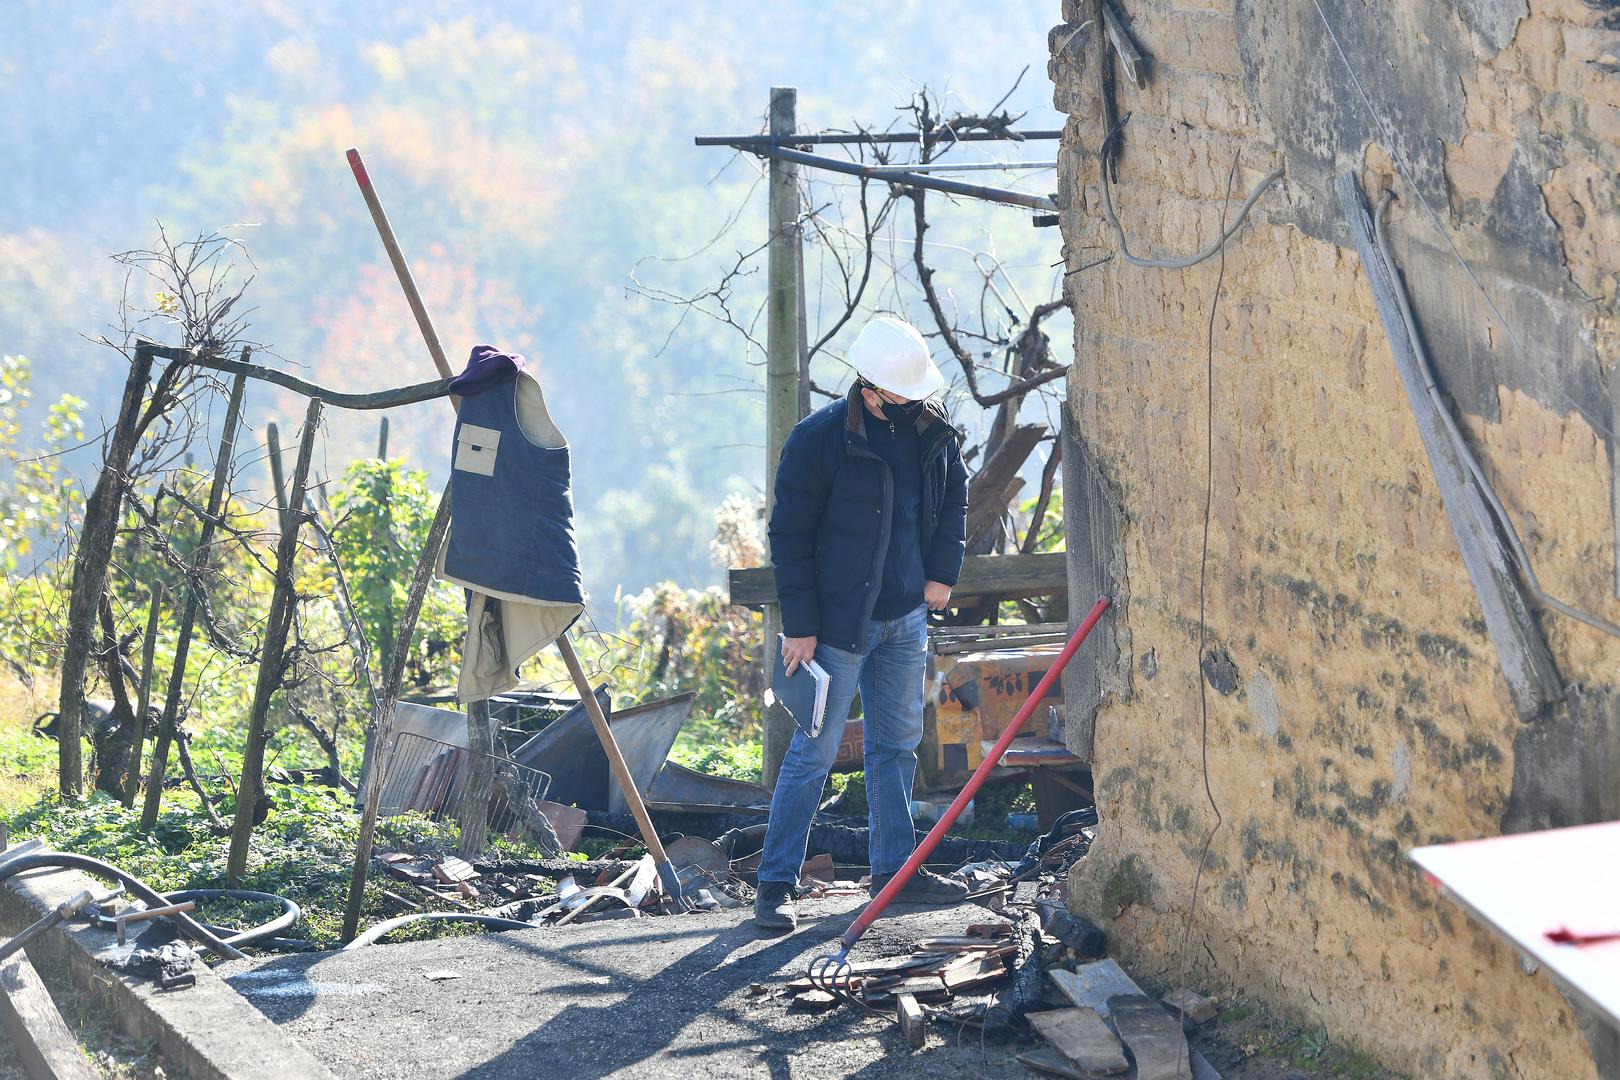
[{"x": 208, "y": 1029}]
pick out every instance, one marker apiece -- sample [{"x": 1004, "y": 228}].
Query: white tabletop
[{"x": 1530, "y": 885}]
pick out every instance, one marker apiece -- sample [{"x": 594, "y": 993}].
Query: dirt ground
[{"x": 665, "y": 997}]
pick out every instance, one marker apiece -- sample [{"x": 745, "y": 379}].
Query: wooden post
[
  {"x": 283, "y": 602},
  {"x": 35, "y": 1031},
  {"x": 615, "y": 760},
  {"x": 278, "y": 477},
  {"x": 616, "y": 763},
  {"x": 90, "y": 565},
  {"x": 154, "y": 609},
  {"x": 782, "y": 360},
  {"x": 382, "y": 719},
  {"x": 472, "y": 805},
  {"x": 200, "y": 562}
]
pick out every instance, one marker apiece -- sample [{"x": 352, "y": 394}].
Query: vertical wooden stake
[
  {"x": 382, "y": 720},
  {"x": 278, "y": 477},
  {"x": 616, "y": 762},
  {"x": 782, "y": 400},
  {"x": 472, "y": 806},
  {"x": 283, "y": 601},
  {"x": 188, "y": 616},
  {"x": 132, "y": 783},
  {"x": 90, "y": 563}
]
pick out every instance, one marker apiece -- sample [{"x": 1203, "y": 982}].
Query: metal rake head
[{"x": 833, "y": 974}]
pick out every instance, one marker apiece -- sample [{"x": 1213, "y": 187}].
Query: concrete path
[{"x": 665, "y": 997}]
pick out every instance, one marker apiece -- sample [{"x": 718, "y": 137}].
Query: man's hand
[
  {"x": 797, "y": 650},
  {"x": 936, "y": 595}
]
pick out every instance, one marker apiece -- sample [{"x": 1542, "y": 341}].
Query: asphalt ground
[{"x": 650, "y": 997}]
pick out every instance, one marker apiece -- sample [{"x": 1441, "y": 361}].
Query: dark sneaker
[
  {"x": 925, "y": 887},
  {"x": 773, "y": 907}
]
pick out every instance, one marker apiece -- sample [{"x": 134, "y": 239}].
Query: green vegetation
[{"x": 674, "y": 640}]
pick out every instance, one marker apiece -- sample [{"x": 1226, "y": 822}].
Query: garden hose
[
  {"x": 153, "y": 898},
  {"x": 289, "y": 912}
]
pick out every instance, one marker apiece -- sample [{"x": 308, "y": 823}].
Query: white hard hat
[{"x": 891, "y": 355}]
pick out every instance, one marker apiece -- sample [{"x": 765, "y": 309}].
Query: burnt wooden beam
[
  {"x": 154, "y": 612},
  {"x": 35, "y": 1030},
  {"x": 1007, "y": 576},
  {"x": 1526, "y": 661},
  {"x": 987, "y": 491}
]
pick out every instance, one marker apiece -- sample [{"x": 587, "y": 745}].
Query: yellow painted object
[{"x": 976, "y": 694}]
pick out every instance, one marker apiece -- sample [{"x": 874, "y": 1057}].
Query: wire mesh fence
[{"x": 429, "y": 777}]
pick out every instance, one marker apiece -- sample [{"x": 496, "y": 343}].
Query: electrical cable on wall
[
  {"x": 1182, "y": 262},
  {"x": 1108, "y": 153},
  {"x": 1218, "y": 248},
  {"x": 1203, "y": 576}
]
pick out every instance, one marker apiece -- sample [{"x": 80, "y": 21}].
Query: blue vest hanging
[
  {"x": 511, "y": 532},
  {"x": 511, "y": 505}
]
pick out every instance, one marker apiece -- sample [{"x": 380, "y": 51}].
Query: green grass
[{"x": 303, "y": 851}]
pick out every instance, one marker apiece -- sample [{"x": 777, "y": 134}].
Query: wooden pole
[
  {"x": 382, "y": 438},
  {"x": 782, "y": 397},
  {"x": 402, "y": 269},
  {"x": 44, "y": 1045},
  {"x": 154, "y": 609},
  {"x": 169, "y": 723},
  {"x": 283, "y": 601},
  {"x": 610, "y": 746},
  {"x": 91, "y": 561},
  {"x": 472, "y": 805},
  {"x": 621, "y": 772},
  {"x": 278, "y": 476},
  {"x": 382, "y": 718}
]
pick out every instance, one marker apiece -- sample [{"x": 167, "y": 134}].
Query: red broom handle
[{"x": 976, "y": 781}]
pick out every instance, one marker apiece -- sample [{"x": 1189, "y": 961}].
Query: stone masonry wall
[{"x": 1356, "y": 705}]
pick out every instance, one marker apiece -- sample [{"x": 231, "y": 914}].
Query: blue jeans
[{"x": 890, "y": 678}]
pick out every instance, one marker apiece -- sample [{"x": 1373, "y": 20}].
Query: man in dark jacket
[{"x": 867, "y": 536}]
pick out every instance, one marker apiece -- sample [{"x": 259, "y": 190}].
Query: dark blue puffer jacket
[{"x": 829, "y": 527}]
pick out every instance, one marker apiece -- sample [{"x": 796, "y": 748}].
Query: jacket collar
[{"x": 931, "y": 424}]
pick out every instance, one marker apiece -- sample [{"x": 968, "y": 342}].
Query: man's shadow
[{"x": 594, "y": 1040}]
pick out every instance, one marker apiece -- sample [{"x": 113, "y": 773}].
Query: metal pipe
[
  {"x": 60, "y": 913},
  {"x": 965, "y": 166},
  {"x": 944, "y": 135},
  {"x": 909, "y": 179},
  {"x": 991, "y": 760},
  {"x": 383, "y": 929}
]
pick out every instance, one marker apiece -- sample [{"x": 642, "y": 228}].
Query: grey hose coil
[
  {"x": 387, "y": 927},
  {"x": 289, "y": 912},
  {"x": 62, "y": 859}
]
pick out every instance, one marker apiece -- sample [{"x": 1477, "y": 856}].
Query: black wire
[{"x": 1203, "y": 574}]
